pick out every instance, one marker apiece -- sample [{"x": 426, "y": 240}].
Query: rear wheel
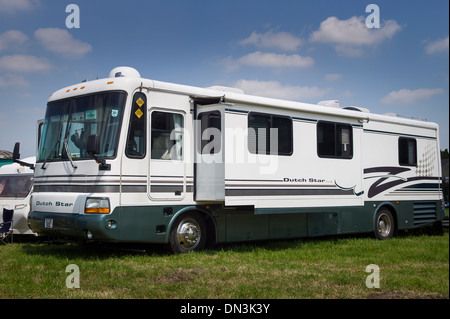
[
  {"x": 384, "y": 224},
  {"x": 188, "y": 233}
]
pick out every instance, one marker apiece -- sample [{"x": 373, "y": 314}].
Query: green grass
[{"x": 411, "y": 266}]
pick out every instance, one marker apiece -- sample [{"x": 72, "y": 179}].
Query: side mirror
[
  {"x": 16, "y": 157},
  {"x": 93, "y": 149},
  {"x": 16, "y": 152},
  {"x": 93, "y": 145}
]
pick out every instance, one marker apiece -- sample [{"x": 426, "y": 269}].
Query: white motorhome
[
  {"x": 128, "y": 159},
  {"x": 16, "y": 183}
]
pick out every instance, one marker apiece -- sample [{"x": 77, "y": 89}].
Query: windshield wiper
[
  {"x": 66, "y": 144},
  {"x": 69, "y": 155},
  {"x": 50, "y": 154},
  {"x": 66, "y": 148}
]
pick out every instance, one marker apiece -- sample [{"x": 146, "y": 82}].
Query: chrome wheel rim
[
  {"x": 384, "y": 225},
  {"x": 188, "y": 234}
]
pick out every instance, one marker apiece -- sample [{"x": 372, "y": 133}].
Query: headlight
[{"x": 97, "y": 206}]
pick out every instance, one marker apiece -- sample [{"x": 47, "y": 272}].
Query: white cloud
[
  {"x": 12, "y": 38},
  {"x": 349, "y": 50},
  {"x": 61, "y": 41},
  {"x": 24, "y": 63},
  {"x": 437, "y": 46},
  {"x": 333, "y": 77},
  {"x": 13, "y": 6},
  {"x": 280, "y": 40},
  {"x": 275, "y": 89},
  {"x": 269, "y": 60},
  {"x": 13, "y": 81},
  {"x": 274, "y": 60},
  {"x": 351, "y": 35},
  {"x": 406, "y": 96}
]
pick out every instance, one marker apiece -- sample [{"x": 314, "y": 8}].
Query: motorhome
[
  {"x": 129, "y": 159},
  {"x": 16, "y": 183}
]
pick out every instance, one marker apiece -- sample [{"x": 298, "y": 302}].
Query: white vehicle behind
[{"x": 16, "y": 183}]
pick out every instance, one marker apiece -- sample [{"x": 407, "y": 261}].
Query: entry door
[
  {"x": 167, "y": 178},
  {"x": 210, "y": 167}
]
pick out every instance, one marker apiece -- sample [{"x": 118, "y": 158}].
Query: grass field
[{"x": 410, "y": 266}]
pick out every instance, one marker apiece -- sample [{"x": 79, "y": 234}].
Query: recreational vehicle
[
  {"x": 16, "y": 183},
  {"x": 128, "y": 159}
]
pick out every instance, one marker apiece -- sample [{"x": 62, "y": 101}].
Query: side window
[
  {"x": 136, "y": 142},
  {"x": 334, "y": 140},
  {"x": 266, "y": 130},
  {"x": 167, "y": 136},
  {"x": 407, "y": 151},
  {"x": 210, "y": 129}
]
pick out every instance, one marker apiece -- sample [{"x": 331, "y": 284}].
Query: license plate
[{"x": 48, "y": 222}]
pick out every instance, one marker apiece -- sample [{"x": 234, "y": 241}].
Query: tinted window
[
  {"x": 71, "y": 121},
  {"x": 136, "y": 142},
  {"x": 334, "y": 140},
  {"x": 269, "y": 134},
  {"x": 167, "y": 136},
  {"x": 210, "y": 129},
  {"x": 407, "y": 151}
]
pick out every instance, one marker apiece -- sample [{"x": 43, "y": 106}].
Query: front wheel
[
  {"x": 188, "y": 233},
  {"x": 384, "y": 224}
]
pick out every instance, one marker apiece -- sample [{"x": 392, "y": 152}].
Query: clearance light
[{"x": 97, "y": 206}]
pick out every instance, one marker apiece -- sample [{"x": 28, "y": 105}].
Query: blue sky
[{"x": 298, "y": 50}]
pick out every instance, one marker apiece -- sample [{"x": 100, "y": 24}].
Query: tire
[
  {"x": 384, "y": 224},
  {"x": 188, "y": 234}
]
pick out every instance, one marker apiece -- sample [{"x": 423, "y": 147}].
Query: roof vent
[
  {"x": 124, "y": 71},
  {"x": 329, "y": 103},
  {"x": 357, "y": 108}
]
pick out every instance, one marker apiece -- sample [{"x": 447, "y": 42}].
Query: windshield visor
[{"x": 69, "y": 123}]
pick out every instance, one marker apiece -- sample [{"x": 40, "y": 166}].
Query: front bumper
[{"x": 75, "y": 226}]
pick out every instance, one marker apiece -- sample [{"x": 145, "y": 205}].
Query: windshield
[
  {"x": 68, "y": 123},
  {"x": 15, "y": 185}
]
